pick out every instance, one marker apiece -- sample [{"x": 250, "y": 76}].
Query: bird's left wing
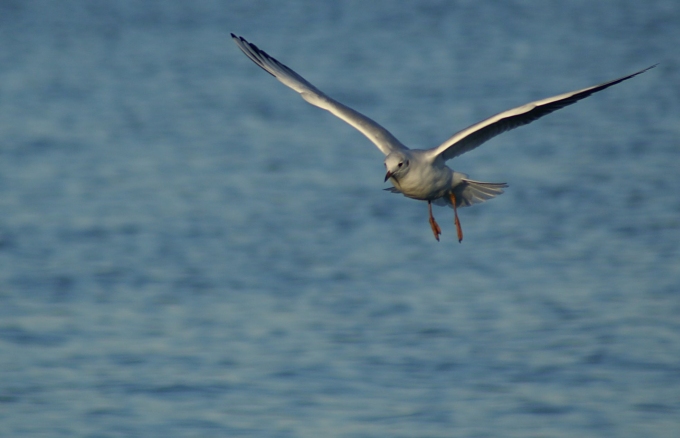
[
  {"x": 473, "y": 136},
  {"x": 380, "y": 136}
]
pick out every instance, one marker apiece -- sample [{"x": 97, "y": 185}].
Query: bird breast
[{"x": 425, "y": 182}]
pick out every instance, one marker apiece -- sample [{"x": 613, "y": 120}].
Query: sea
[{"x": 188, "y": 249}]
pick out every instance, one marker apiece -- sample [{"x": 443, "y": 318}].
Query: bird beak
[{"x": 388, "y": 175}]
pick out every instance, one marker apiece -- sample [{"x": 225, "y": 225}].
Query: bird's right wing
[{"x": 380, "y": 136}]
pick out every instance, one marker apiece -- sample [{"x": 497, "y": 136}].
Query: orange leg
[
  {"x": 433, "y": 223},
  {"x": 459, "y": 230}
]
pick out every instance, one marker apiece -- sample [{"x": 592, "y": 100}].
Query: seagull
[{"x": 422, "y": 174}]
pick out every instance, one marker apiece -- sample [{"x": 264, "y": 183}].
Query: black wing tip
[
  {"x": 257, "y": 55},
  {"x": 625, "y": 78},
  {"x": 242, "y": 41},
  {"x": 645, "y": 69},
  {"x": 239, "y": 39},
  {"x": 616, "y": 81}
]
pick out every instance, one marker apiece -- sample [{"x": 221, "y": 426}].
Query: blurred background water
[{"x": 189, "y": 249}]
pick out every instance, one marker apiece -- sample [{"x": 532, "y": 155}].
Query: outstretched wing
[
  {"x": 380, "y": 136},
  {"x": 475, "y": 135}
]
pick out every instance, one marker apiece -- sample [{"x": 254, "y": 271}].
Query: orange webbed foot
[
  {"x": 433, "y": 223},
  {"x": 459, "y": 229}
]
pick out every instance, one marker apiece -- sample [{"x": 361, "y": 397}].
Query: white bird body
[
  {"x": 422, "y": 173},
  {"x": 422, "y": 178}
]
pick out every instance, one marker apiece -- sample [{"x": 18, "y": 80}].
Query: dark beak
[{"x": 388, "y": 175}]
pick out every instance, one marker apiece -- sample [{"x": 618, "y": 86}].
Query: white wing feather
[
  {"x": 473, "y": 136},
  {"x": 380, "y": 136}
]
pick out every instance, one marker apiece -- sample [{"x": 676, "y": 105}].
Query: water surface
[{"x": 189, "y": 249}]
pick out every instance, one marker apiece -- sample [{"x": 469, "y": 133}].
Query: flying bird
[{"x": 422, "y": 173}]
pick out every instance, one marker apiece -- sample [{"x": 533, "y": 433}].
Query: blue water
[{"x": 188, "y": 249}]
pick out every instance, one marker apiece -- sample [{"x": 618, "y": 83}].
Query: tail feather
[
  {"x": 471, "y": 192},
  {"x": 468, "y": 192}
]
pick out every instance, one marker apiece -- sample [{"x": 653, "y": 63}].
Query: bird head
[{"x": 397, "y": 164}]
